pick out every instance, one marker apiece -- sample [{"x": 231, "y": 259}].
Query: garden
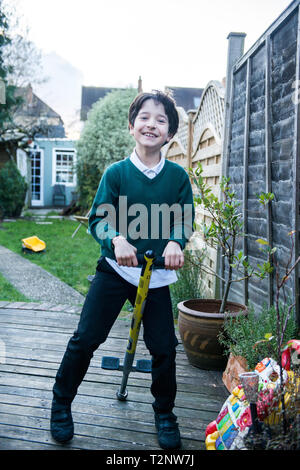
[
  {"x": 217, "y": 334},
  {"x": 255, "y": 345},
  {"x": 244, "y": 339}
]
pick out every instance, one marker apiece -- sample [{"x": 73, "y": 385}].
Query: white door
[
  {"x": 22, "y": 166},
  {"x": 37, "y": 166}
]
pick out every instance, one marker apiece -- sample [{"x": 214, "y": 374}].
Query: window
[
  {"x": 196, "y": 101},
  {"x": 64, "y": 167}
]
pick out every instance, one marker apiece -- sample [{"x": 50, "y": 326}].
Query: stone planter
[
  {"x": 199, "y": 326},
  {"x": 236, "y": 365}
]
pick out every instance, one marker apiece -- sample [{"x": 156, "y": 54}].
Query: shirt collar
[{"x": 142, "y": 167}]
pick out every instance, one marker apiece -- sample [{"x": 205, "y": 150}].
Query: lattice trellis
[
  {"x": 210, "y": 113},
  {"x": 206, "y": 147},
  {"x": 208, "y": 152},
  {"x": 183, "y": 129},
  {"x": 202, "y": 142}
]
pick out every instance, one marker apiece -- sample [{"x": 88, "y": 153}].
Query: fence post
[
  {"x": 234, "y": 53},
  {"x": 191, "y": 115}
]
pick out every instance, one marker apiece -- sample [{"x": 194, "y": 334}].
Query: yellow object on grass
[{"x": 34, "y": 243}]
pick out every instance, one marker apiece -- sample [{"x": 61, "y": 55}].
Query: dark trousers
[{"x": 104, "y": 301}]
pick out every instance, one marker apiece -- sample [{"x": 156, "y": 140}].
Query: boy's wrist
[
  {"x": 115, "y": 239},
  {"x": 176, "y": 241}
]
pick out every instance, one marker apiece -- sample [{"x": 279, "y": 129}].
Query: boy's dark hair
[{"x": 159, "y": 97}]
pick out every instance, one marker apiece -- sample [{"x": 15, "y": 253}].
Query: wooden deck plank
[
  {"x": 107, "y": 390},
  {"x": 54, "y": 353},
  {"x": 35, "y": 341},
  {"x": 98, "y": 410},
  {"x": 98, "y": 375}
]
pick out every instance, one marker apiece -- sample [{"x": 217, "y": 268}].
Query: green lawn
[
  {"x": 69, "y": 259},
  {"x": 9, "y": 293}
]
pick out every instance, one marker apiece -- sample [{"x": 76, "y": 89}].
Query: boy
[{"x": 141, "y": 183}]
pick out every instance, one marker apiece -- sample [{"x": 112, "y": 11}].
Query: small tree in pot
[{"x": 224, "y": 231}]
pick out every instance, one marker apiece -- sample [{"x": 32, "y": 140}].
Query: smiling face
[{"x": 151, "y": 126}]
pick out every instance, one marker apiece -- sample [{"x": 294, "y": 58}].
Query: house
[
  {"x": 34, "y": 112},
  {"x": 50, "y": 164},
  {"x": 32, "y": 118},
  {"x": 44, "y": 156},
  {"x": 89, "y": 96},
  {"x": 186, "y": 98}
]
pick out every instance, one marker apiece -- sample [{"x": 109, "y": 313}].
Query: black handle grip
[{"x": 159, "y": 261}]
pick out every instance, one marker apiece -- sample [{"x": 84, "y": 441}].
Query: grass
[
  {"x": 9, "y": 293},
  {"x": 69, "y": 259}
]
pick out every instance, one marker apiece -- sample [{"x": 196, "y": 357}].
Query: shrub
[
  {"x": 189, "y": 284},
  {"x": 105, "y": 139},
  {"x": 240, "y": 334},
  {"x": 13, "y": 189}
]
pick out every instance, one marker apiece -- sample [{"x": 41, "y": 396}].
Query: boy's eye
[{"x": 160, "y": 120}]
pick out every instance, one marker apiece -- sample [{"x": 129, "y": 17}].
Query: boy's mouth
[{"x": 149, "y": 134}]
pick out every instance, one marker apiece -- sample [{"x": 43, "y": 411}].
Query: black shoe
[
  {"x": 61, "y": 424},
  {"x": 167, "y": 431}
]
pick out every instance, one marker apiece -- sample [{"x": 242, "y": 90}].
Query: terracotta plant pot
[
  {"x": 236, "y": 365},
  {"x": 199, "y": 326}
]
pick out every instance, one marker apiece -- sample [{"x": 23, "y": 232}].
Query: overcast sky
[{"x": 167, "y": 42}]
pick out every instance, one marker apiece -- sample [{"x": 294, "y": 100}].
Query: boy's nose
[{"x": 151, "y": 124}]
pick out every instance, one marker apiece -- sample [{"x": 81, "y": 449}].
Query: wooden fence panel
[
  {"x": 263, "y": 150},
  {"x": 260, "y": 151}
]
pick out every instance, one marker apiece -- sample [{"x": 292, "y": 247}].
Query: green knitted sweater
[{"x": 148, "y": 212}]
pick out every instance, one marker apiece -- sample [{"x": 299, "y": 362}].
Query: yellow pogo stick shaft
[{"x": 137, "y": 316}]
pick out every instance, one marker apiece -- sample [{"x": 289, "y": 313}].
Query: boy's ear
[
  {"x": 130, "y": 127},
  {"x": 168, "y": 139}
]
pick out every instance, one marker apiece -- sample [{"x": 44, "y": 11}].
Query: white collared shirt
[
  {"x": 160, "y": 277},
  {"x": 150, "y": 172}
]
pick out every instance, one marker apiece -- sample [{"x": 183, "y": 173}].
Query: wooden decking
[{"x": 33, "y": 339}]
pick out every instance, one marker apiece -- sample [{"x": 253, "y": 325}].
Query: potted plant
[
  {"x": 201, "y": 320},
  {"x": 274, "y": 336},
  {"x": 247, "y": 341},
  {"x": 252, "y": 340},
  {"x": 282, "y": 341}
]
